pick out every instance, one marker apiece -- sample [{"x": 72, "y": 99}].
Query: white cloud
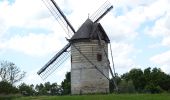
[
  {"x": 156, "y": 9},
  {"x": 126, "y": 25},
  {"x": 81, "y": 10},
  {"x": 118, "y": 28},
  {"x": 166, "y": 41},
  {"x": 131, "y": 3},
  {"x": 159, "y": 11},
  {"x": 122, "y": 54},
  {"x": 135, "y": 13},
  {"x": 35, "y": 44},
  {"x": 57, "y": 76},
  {"x": 30, "y": 14},
  {"x": 32, "y": 78},
  {"x": 163, "y": 58},
  {"x": 165, "y": 68},
  {"x": 161, "y": 28},
  {"x": 21, "y": 11}
]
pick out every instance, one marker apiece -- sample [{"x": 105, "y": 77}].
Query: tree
[
  {"x": 7, "y": 88},
  {"x": 66, "y": 84},
  {"x": 126, "y": 86},
  {"x": 47, "y": 86},
  {"x": 55, "y": 89},
  {"x": 117, "y": 79},
  {"x": 160, "y": 79},
  {"x": 26, "y": 89},
  {"x": 10, "y": 72},
  {"x": 137, "y": 77},
  {"x": 41, "y": 89},
  {"x": 150, "y": 80},
  {"x": 48, "y": 89}
]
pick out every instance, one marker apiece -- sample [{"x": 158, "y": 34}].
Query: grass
[
  {"x": 101, "y": 97},
  {"x": 9, "y": 96}
]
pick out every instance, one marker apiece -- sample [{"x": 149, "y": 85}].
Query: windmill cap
[{"x": 90, "y": 30}]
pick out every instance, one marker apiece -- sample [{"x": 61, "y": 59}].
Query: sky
[{"x": 139, "y": 31}]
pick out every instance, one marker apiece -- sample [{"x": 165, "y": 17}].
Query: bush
[
  {"x": 7, "y": 88},
  {"x": 126, "y": 87},
  {"x": 151, "y": 88}
]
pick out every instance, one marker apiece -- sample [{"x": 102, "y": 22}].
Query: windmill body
[{"x": 85, "y": 47}]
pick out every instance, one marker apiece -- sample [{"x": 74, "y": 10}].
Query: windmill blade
[
  {"x": 101, "y": 12},
  {"x": 55, "y": 62},
  {"x": 59, "y": 16}
]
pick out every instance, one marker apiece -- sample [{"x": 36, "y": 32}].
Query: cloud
[
  {"x": 156, "y": 9},
  {"x": 35, "y": 44},
  {"x": 166, "y": 41},
  {"x": 130, "y": 16},
  {"x": 32, "y": 78},
  {"x": 57, "y": 76},
  {"x": 26, "y": 14},
  {"x": 119, "y": 29},
  {"x": 21, "y": 11},
  {"x": 163, "y": 58},
  {"x": 122, "y": 55},
  {"x": 159, "y": 11},
  {"x": 29, "y": 15},
  {"x": 161, "y": 27},
  {"x": 165, "y": 68}
]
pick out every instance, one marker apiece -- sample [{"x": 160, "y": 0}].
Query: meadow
[{"x": 99, "y": 97}]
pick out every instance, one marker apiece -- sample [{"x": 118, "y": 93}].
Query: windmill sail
[
  {"x": 59, "y": 16},
  {"x": 55, "y": 62},
  {"x": 63, "y": 54},
  {"x": 103, "y": 10}
]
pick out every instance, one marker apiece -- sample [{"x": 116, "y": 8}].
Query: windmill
[{"x": 88, "y": 47}]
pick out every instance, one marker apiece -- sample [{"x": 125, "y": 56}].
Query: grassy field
[{"x": 101, "y": 97}]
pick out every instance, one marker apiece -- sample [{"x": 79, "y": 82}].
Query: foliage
[
  {"x": 66, "y": 84},
  {"x": 48, "y": 89},
  {"x": 10, "y": 72},
  {"x": 117, "y": 80},
  {"x": 7, "y": 88},
  {"x": 126, "y": 87},
  {"x": 26, "y": 90},
  {"x": 149, "y": 80}
]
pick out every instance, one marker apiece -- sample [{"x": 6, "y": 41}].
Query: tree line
[
  {"x": 149, "y": 80},
  {"x": 34, "y": 90},
  {"x": 11, "y": 74}
]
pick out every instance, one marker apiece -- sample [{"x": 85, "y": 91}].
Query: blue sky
[{"x": 139, "y": 31}]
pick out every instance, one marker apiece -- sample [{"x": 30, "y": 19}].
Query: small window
[{"x": 99, "y": 57}]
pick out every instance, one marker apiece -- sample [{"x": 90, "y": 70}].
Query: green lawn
[{"x": 102, "y": 97}]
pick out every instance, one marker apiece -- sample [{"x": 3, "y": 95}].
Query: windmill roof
[{"x": 90, "y": 30}]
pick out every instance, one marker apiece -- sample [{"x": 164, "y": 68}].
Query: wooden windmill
[{"x": 88, "y": 46}]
